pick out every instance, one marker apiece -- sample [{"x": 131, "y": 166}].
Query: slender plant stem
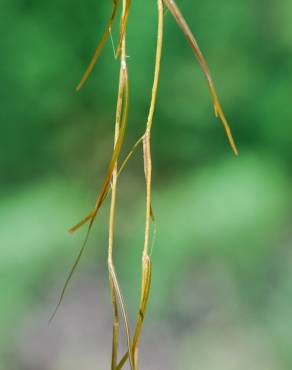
[
  {"x": 111, "y": 230},
  {"x": 146, "y": 261},
  {"x": 114, "y": 285}
]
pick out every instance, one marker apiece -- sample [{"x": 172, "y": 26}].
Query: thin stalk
[
  {"x": 116, "y": 293},
  {"x": 146, "y": 261},
  {"x": 111, "y": 229}
]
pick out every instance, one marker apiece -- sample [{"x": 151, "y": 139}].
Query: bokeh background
[{"x": 222, "y": 283}]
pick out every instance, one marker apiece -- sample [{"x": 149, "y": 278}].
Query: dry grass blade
[
  {"x": 100, "y": 46},
  {"x": 71, "y": 273},
  {"x": 103, "y": 193},
  {"x": 115, "y": 155},
  {"x": 174, "y": 10},
  {"x": 122, "y": 167}
]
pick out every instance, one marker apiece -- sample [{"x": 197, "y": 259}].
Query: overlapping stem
[
  {"x": 174, "y": 10},
  {"x": 114, "y": 285},
  {"x": 146, "y": 261}
]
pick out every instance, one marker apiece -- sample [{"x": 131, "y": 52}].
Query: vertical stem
[
  {"x": 114, "y": 285},
  {"x": 111, "y": 230},
  {"x": 146, "y": 261}
]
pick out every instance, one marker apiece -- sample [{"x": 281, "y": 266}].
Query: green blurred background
[{"x": 222, "y": 283}]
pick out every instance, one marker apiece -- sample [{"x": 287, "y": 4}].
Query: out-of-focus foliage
[{"x": 222, "y": 258}]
